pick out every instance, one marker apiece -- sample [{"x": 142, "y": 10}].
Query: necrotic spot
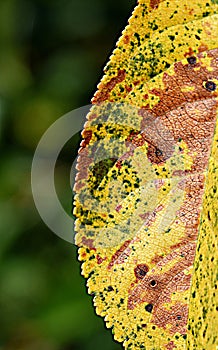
[
  {"x": 110, "y": 289},
  {"x": 149, "y": 308},
  {"x": 158, "y": 152},
  {"x": 141, "y": 270},
  {"x": 192, "y": 60},
  {"x": 153, "y": 283},
  {"x": 210, "y": 85}
]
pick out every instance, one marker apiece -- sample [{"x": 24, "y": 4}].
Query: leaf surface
[{"x": 146, "y": 187}]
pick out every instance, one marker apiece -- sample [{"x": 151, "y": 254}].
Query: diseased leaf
[
  {"x": 203, "y": 303},
  {"x": 146, "y": 187}
]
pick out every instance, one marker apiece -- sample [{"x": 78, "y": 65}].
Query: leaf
[
  {"x": 203, "y": 299},
  {"x": 146, "y": 187}
]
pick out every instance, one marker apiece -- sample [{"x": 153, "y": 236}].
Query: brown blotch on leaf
[
  {"x": 164, "y": 317},
  {"x": 190, "y": 110},
  {"x": 143, "y": 291}
]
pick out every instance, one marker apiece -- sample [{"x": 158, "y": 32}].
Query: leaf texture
[{"x": 146, "y": 186}]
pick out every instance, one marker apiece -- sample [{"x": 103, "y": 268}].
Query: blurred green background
[{"x": 51, "y": 58}]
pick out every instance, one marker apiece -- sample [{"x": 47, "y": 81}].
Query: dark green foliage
[{"x": 50, "y": 61}]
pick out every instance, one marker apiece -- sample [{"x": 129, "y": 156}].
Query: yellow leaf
[{"x": 146, "y": 189}]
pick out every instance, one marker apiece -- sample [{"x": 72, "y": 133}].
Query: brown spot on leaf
[
  {"x": 170, "y": 346},
  {"x": 126, "y": 39},
  {"x": 190, "y": 52},
  {"x": 84, "y": 255},
  {"x": 154, "y": 3},
  {"x": 141, "y": 271},
  {"x": 136, "y": 82},
  {"x": 202, "y": 47}
]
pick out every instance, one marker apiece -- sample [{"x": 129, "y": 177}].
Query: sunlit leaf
[{"x": 146, "y": 189}]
